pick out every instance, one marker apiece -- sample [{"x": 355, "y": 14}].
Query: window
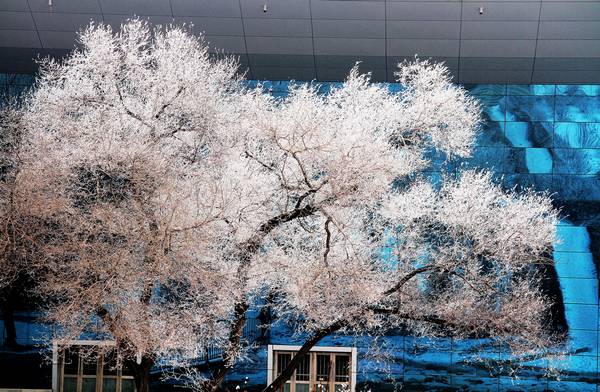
[
  {"x": 90, "y": 366},
  {"x": 324, "y": 369}
]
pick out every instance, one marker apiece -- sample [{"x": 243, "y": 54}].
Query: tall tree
[{"x": 187, "y": 196}]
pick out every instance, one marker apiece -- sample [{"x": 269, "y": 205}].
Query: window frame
[
  {"x": 58, "y": 365},
  {"x": 275, "y": 350}
]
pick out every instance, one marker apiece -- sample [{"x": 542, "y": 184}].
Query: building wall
[{"x": 543, "y": 136}]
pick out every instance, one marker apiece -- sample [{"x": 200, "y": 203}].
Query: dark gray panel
[
  {"x": 495, "y": 76},
  {"x": 275, "y": 45},
  {"x": 282, "y": 60},
  {"x": 16, "y": 20},
  {"x": 212, "y": 26},
  {"x": 58, "y": 39},
  {"x": 350, "y": 46},
  {"x": 423, "y": 29},
  {"x": 570, "y": 10},
  {"x": 422, "y": 47},
  {"x": 220, "y": 8},
  {"x": 295, "y": 9},
  {"x": 21, "y": 60},
  {"x": 366, "y": 62},
  {"x": 423, "y": 10},
  {"x": 64, "y": 22},
  {"x": 347, "y": 9},
  {"x": 393, "y": 61},
  {"x": 335, "y": 74},
  {"x": 13, "y": 5},
  {"x": 283, "y": 73},
  {"x": 349, "y": 28},
  {"x": 569, "y": 30},
  {"x": 277, "y": 27},
  {"x": 227, "y": 44},
  {"x": 497, "y": 48},
  {"x": 116, "y": 20},
  {"x": 78, "y": 6},
  {"x": 566, "y": 77},
  {"x": 567, "y": 64},
  {"x": 19, "y": 39},
  {"x": 568, "y": 48},
  {"x": 501, "y": 11},
  {"x": 499, "y": 30},
  {"x": 496, "y": 63},
  {"x": 137, "y": 7}
]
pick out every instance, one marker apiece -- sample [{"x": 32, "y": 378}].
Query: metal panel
[
  {"x": 350, "y": 46},
  {"x": 499, "y": 30},
  {"x": 570, "y": 10},
  {"x": 220, "y": 8},
  {"x": 276, "y": 45},
  {"x": 277, "y": 27},
  {"x": 136, "y": 7},
  {"x": 58, "y": 39},
  {"x": 496, "y": 63},
  {"x": 495, "y": 76},
  {"x": 63, "y": 22},
  {"x": 569, "y": 30},
  {"x": 211, "y": 26},
  {"x": 19, "y": 39},
  {"x": 116, "y": 20},
  {"x": 497, "y": 48},
  {"x": 226, "y": 44},
  {"x": 567, "y": 77},
  {"x": 422, "y": 47},
  {"x": 324, "y": 9},
  {"x": 423, "y": 29},
  {"x": 341, "y": 61},
  {"x": 13, "y": 5},
  {"x": 295, "y": 9},
  {"x": 568, "y": 48},
  {"x": 79, "y": 6},
  {"x": 281, "y": 73},
  {"x": 423, "y": 10},
  {"x": 567, "y": 63},
  {"x": 16, "y": 20},
  {"x": 281, "y": 60},
  {"x": 349, "y": 28},
  {"x": 501, "y": 11}
]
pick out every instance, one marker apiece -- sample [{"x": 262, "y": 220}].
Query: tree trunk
[
  {"x": 285, "y": 375},
  {"x": 141, "y": 373}
]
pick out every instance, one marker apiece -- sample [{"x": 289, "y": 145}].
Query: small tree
[{"x": 186, "y": 196}]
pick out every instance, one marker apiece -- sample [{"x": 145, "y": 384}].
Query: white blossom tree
[{"x": 186, "y": 196}]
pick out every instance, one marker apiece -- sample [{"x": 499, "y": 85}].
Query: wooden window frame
[{"x": 351, "y": 352}]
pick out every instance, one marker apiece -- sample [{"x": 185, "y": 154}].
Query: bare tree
[{"x": 186, "y": 196}]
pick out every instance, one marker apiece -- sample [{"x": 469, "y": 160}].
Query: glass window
[
  {"x": 88, "y": 384},
  {"x": 342, "y": 368},
  {"x": 303, "y": 369},
  {"x": 323, "y": 367},
  {"x": 127, "y": 385},
  {"x": 70, "y": 384},
  {"x": 283, "y": 360},
  {"x": 109, "y": 384}
]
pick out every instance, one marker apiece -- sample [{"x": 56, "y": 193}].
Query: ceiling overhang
[{"x": 518, "y": 42}]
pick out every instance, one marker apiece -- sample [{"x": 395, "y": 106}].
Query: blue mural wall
[{"x": 541, "y": 136}]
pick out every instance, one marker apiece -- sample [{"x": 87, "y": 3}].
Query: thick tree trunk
[
  {"x": 285, "y": 375},
  {"x": 141, "y": 373}
]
